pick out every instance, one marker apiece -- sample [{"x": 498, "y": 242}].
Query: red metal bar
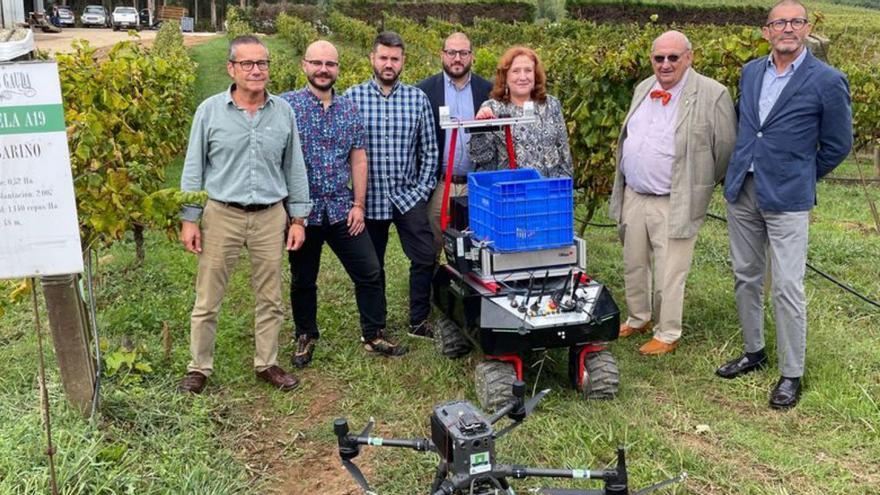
[
  {"x": 492, "y": 286},
  {"x": 510, "y": 358},
  {"x": 582, "y": 356},
  {"x": 511, "y": 154},
  {"x": 444, "y": 207}
]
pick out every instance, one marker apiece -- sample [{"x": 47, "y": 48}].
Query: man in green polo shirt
[{"x": 244, "y": 151}]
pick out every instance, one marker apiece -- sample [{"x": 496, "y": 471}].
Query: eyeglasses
[
  {"x": 248, "y": 65},
  {"x": 672, "y": 58},
  {"x": 797, "y": 24},
  {"x": 322, "y": 63},
  {"x": 461, "y": 53}
]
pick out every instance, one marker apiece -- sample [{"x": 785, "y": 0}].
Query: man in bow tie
[{"x": 673, "y": 149}]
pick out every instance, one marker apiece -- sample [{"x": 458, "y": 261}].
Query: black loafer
[
  {"x": 743, "y": 364},
  {"x": 786, "y": 393}
]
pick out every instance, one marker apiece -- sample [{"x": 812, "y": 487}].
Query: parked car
[
  {"x": 63, "y": 16},
  {"x": 94, "y": 15},
  {"x": 146, "y": 19},
  {"x": 124, "y": 18}
]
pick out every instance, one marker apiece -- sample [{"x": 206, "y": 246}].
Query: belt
[
  {"x": 459, "y": 179},
  {"x": 248, "y": 208}
]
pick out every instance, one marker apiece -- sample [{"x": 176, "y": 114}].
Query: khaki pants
[
  {"x": 652, "y": 259},
  {"x": 225, "y": 230},
  {"x": 434, "y": 205}
]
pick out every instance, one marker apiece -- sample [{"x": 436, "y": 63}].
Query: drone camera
[{"x": 463, "y": 436}]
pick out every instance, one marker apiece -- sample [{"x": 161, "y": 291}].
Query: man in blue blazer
[
  {"x": 795, "y": 126},
  {"x": 463, "y": 92}
]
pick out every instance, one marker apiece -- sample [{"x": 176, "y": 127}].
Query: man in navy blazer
[
  {"x": 795, "y": 126},
  {"x": 465, "y": 91}
]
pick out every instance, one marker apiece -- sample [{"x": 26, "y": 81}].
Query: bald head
[
  {"x": 675, "y": 39},
  {"x": 323, "y": 50},
  {"x": 457, "y": 39},
  {"x": 321, "y": 66},
  {"x": 671, "y": 58}
]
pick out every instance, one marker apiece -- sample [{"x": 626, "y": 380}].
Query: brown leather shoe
[
  {"x": 656, "y": 347},
  {"x": 278, "y": 378},
  {"x": 193, "y": 383},
  {"x": 626, "y": 330}
]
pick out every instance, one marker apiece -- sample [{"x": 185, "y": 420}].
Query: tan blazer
[{"x": 705, "y": 133}]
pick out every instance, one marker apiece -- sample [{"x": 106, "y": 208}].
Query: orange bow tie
[{"x": 664, "y": 96}]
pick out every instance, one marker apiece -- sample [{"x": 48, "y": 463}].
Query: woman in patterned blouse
[{"x": 542, "y": 145}]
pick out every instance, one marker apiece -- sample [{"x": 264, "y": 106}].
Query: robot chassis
[{"x": 513, "y": 304}]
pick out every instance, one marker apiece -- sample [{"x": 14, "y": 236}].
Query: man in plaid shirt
[{"x": 402, "y": 162}]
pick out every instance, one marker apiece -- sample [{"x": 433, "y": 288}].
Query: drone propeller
[
  {"x": 367, "y": 429},
  {"x": 349, "y": 449},
  {"x": 678, "y": 479},
  {"x": 521, "y": 410},
  {"x": 533, "y": 402},
  {"x": 358, "y": 476}
]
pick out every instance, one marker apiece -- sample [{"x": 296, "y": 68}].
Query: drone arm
[
  {"x": 520, "y": 472},
  {"x": 419, "y": 444}
]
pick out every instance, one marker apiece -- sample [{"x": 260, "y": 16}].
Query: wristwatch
[{"x": 299, "y": 221}]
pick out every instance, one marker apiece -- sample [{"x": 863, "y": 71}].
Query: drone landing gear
[{"x": 593, "y": 371}]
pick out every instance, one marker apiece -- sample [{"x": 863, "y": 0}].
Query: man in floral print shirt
[{"x": 334, "y": 142}]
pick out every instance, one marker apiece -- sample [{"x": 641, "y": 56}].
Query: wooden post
[
  {"x": 877, "y": 159},
  {"x": 69, "y": 323}
]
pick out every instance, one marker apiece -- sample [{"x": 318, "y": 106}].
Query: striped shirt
[{"x": 401, "y": 147}]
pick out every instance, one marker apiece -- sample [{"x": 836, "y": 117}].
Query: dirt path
[{"x": 100, "y": 38}]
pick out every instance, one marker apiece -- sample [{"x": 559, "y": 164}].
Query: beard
[
  {"x": 384, "y": 80},
  {"x": 456, "y": 70},
  {"x": 323, "y": 87}
]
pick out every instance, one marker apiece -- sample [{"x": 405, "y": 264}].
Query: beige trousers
[
  {"x": 434, "y": 205},
  {"x": 652, "y": 260},
  {"x": 225, "y": 230}
]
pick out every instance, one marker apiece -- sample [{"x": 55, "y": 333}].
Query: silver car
[{"x": 94, "y": 15}]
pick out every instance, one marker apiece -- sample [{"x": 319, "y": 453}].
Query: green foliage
[
  {"x": 354, "y": 31},
  {"x": 128, "y": 118},
  {"x": 551, "y": 10},
  {"x": 169, "y": 41},
  {"x": 126, "y": 364},
  {"x": 237, "y": 23},
  {"x": 864, "y": 83},
  {"x": 295, "y": 31}
]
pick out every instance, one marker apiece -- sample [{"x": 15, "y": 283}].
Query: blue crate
[{"x": 517, "y": 210}]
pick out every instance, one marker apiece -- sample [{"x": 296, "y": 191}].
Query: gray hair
[
  {"x": 788, "y": 2},
  {"x": 247, "y": 39}
]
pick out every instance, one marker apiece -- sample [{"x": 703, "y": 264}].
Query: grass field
[{"x": 242, "y": 437}]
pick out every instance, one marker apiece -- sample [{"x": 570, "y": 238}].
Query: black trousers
[
  {"x": 359, "y": 259},
  {"x": 417, "y": 242}
]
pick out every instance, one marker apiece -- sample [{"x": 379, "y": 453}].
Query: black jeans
[
  {"x": 417, "y": 242},
  {"x": 359, "y": 259}
]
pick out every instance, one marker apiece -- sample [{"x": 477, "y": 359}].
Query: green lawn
[{"x": 242, "y": 437}]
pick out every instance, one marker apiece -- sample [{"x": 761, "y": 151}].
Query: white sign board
[{"x": 39, "y": 233}]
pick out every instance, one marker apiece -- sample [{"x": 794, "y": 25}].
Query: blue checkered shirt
[{"x": 401, "y": 147}]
